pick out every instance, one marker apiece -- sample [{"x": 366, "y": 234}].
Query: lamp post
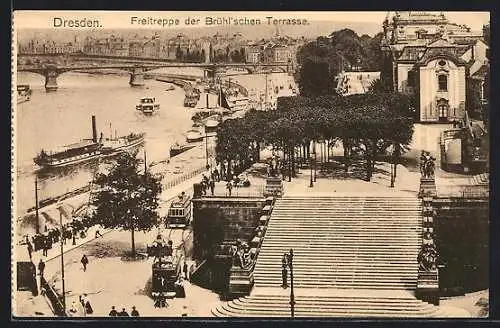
[
  {"x": 314, "y": 150},
  {"x": 206, "y": 149},
  {"x": 292, "y": 295},
  {"x": 311, "y": 166},
  {"x": 36, "y": 207},
  {"x": 62, "y": 260}
]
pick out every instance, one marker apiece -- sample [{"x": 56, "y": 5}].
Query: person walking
[
  {"x": 134, "y": 312},
  {"x": 212, "y": 186},
  {"x": 229, "y": 187},
  {"x": 123, "y": 313},
  {"x": 113, "y": 312},
  {"x": 88, "y": 307},
  {"x": 41, "y": 267},
  {"x": 30, "y": 249},
  {"x": 84, "y": 262},
  {"x": 74, "y": 307},
  {"x": 185, "y": 269},
  {"x": 45, "y": 245}
]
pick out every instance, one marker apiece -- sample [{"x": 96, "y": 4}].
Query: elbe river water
[{"x": 51, "y": 120}]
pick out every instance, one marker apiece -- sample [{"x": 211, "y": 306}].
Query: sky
[{"x": 122, "y": 19}]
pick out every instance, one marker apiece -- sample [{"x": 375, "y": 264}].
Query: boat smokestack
[{"x": 94, "y": 129}]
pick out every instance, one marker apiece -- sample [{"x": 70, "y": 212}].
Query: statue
[
  {"x": 427, "y": 165},
  {"x": 427, "y": 257}
]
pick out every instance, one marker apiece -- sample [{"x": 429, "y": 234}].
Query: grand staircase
[{"x": 353, "y": 256}]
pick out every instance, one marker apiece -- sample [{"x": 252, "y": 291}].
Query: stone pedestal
[
  {"x": 428, "y": 287},
  {"x": 137, "y": 79},
  {"x": 274, "y": 187},
  {"x": 51, "y": 82},
  {"x": 241, "y": 281},
  {"x": 427, "y": 187}
]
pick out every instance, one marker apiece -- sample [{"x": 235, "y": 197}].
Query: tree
[
  {"x": 127, "y": 199},
  {"x": 179, "y": 54},
  {"x": 315, "y": 79},
  {"x": 203, "y": 56}
]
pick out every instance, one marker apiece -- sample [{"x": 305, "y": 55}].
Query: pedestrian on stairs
[{"x": 284, "y": 270}]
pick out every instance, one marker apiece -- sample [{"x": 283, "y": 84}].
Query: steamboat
[
  {"x": 148, "y": 105},
  {"x": 87, "y": 149}
]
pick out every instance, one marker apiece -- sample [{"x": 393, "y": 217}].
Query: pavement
[{"x": 24, "y": 304}]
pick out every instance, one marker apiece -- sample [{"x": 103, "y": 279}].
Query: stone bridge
[{"x": 52, "y": 66}]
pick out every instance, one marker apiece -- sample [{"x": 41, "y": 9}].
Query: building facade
[{"x": 431, "y": 60}]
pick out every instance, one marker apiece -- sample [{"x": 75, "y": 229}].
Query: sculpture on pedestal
[{"x": 427, "y": 165}]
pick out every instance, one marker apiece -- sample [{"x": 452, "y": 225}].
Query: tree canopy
[
  {"x": 127, "y": 198},
  {"x": 373, "y": 122}
]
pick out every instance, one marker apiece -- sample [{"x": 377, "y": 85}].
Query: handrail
[{"x": 54, "y": 298}]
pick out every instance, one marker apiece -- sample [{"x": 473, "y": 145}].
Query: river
[{"x": 51, "y": 120}]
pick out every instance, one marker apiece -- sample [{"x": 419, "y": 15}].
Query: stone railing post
[{"x": 428, "y": 275}]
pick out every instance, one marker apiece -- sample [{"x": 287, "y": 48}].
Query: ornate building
[{"x": 431, "y": 60}]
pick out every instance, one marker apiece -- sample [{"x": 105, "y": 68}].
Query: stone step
[
  {"x": 219, "y": 312},
  {"x": 308, "y": 311},
  {"x": 335, "y": 242},
  {"x": 343, "y": 302},
  {"x": 332, "y": 306},
  {"x": 359, "y": 231},
  {"x": 339, "y": 268},
  {"x": 395, "y": 285},
  {"x": 348, "y": 210}
]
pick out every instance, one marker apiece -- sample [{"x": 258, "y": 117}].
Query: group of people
[
  {"x": 123, "y": 313},
  {"x": 78, "y": 228},
  {"x": 207, "y": 183}
]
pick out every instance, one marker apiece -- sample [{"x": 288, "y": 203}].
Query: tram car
[
  {"x": 179, "y": 213},
  {"x": 166, "y": 271}
]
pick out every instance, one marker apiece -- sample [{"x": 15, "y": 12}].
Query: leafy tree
[
  {"x": 377, "y": 86},
  {"x": 179, "y": 54},
  {"x": 203, "y": 56},
  {"x": 127, "y": 199},
  {"x": 315, "y": 79}
]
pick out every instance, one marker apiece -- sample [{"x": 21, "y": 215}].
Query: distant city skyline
[{"x": 28, "y": 19}]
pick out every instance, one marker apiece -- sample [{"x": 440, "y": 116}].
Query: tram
[
  {"x": 166, "y": 271},
  {"x": 179, "y": 213}
]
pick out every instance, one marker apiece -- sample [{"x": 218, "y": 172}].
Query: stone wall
[
  {"x": 462, "y": 239},
  {"x": 218, "y": 220}
]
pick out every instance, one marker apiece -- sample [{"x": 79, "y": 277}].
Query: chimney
[{"x": 94, "y": 129}]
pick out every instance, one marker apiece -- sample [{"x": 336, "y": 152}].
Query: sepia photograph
[{"x": 218, "y": 165}]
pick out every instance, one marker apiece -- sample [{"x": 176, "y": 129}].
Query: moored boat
[
  {"x": 69, "y": 154},
  {"x": 194, "y": 136},
  {"x": 23, "y": 93},
  {"x": 177, "y": 149},
  {"x": 118, "y": 145}
]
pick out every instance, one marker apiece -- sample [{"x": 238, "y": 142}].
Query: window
[
  {"x": 411, "y": 78},
  {"x": 443, "y": 82},
  {"x": 443, "y": 111}
]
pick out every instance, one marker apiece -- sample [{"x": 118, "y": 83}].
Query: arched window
[{"x": 442, "y": 82}]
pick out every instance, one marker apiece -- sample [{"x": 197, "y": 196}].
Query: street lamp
[
  {"x": 62, "y": 259},
  {"x": 311, "y": 166},
  {"x": 314, "y": 153},
  {"x": 292, "y": 295}
]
